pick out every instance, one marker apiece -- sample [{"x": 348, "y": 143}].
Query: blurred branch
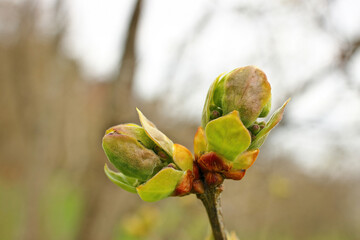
[
  {"x": 128, "y": 61},
  {"x": 346, "y": 56},
  {"x": 121, "y": 87},
  {"x": 348, "y": 52},
  {"x": 189, "y": 38},
  {"x": 96, "y": 223}
]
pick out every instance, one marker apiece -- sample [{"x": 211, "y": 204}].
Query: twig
[{"x": 211, "y": 200}]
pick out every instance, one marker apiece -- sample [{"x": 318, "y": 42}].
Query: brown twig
[{"x": 211, "y": 200}]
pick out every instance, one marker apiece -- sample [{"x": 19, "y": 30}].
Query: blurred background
[{"x": 71, "y": 69}]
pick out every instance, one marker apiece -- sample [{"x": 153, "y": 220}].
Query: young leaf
[
  {"x": 127, "y": 183},
  {"x": 156, "y": 135},
  {"x": 274, "y": 120},
  {"x": 210, "y": 101},
  {"x": 160, "y": 186},
  {"x": 227, "y": 136}
]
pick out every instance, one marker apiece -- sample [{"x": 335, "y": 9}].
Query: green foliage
[
  {"x": 227, "y": 136},
  {"x": 274, "y": 120},
  {"x": 160, "y": 139},
  {"x": 127, "y": 183},
  {"x": 160, "y": 186},
  {"x": 226, "y": 145}
]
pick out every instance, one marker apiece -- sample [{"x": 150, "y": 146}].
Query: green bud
[
  {"x": 245, "y": 90},
  {"x": 126, "y": 148},
  {"x": 134, "y": 131},
  {"x": 148, "y": 161},
  {"x": 228, "y": 141}
]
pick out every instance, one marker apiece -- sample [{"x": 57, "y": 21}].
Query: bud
[
  {"x": 245, "y": 90},
  {"x": 228, "y": 141},
  {"x": 129, "y": 149},
  {"x": 148, "y": 161}
]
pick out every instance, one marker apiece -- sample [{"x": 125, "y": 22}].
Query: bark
[{"x": 211, "y": 200}]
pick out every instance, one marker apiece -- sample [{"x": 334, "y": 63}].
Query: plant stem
[{"x": 211, "y": 200}]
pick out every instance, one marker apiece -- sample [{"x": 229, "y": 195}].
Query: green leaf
[
  {"x": 274, "y": 120},
  {"x": 212, "y": 100},
  {"x": 227, "y": 136},
  {"x": 160, "y": 186},
  {"x": 157, "y": 136},
  {"x": 127, "y": 183}
]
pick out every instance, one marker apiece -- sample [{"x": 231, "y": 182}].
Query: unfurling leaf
[
  {"x": 227, "y": 136},
  {"x": 156, "y": 135},
  {"x": 160, "y": 186},
  {"x": 274, "y": 120}
]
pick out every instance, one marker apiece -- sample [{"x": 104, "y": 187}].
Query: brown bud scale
[
  {"x": 235, "y": 175},
  {"x": 196, "y": 172},
  {"x": 198, "y": 187},
  {"x": 213, "y": 163},
  {"x": 185, "y": 185},
  {"x": 213, "y": 178}
]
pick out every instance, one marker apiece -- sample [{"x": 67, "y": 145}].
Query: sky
[{"x": 183, "y": 45}]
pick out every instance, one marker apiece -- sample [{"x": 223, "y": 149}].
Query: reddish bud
[
  {"x": 185, "y": 185},
  {"x": 196, "y": 171},
  {"x": 213, "y": 178},
  {"x": 254, "y": 129},
  {"x": 235, "y": 175},
  {"x": 212, "y": 162}
]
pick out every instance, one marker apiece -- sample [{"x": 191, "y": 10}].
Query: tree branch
[{"x": 211, "y": 200}]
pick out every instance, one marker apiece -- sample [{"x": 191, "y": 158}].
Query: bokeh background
[{"x": 71, "y": 69}]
